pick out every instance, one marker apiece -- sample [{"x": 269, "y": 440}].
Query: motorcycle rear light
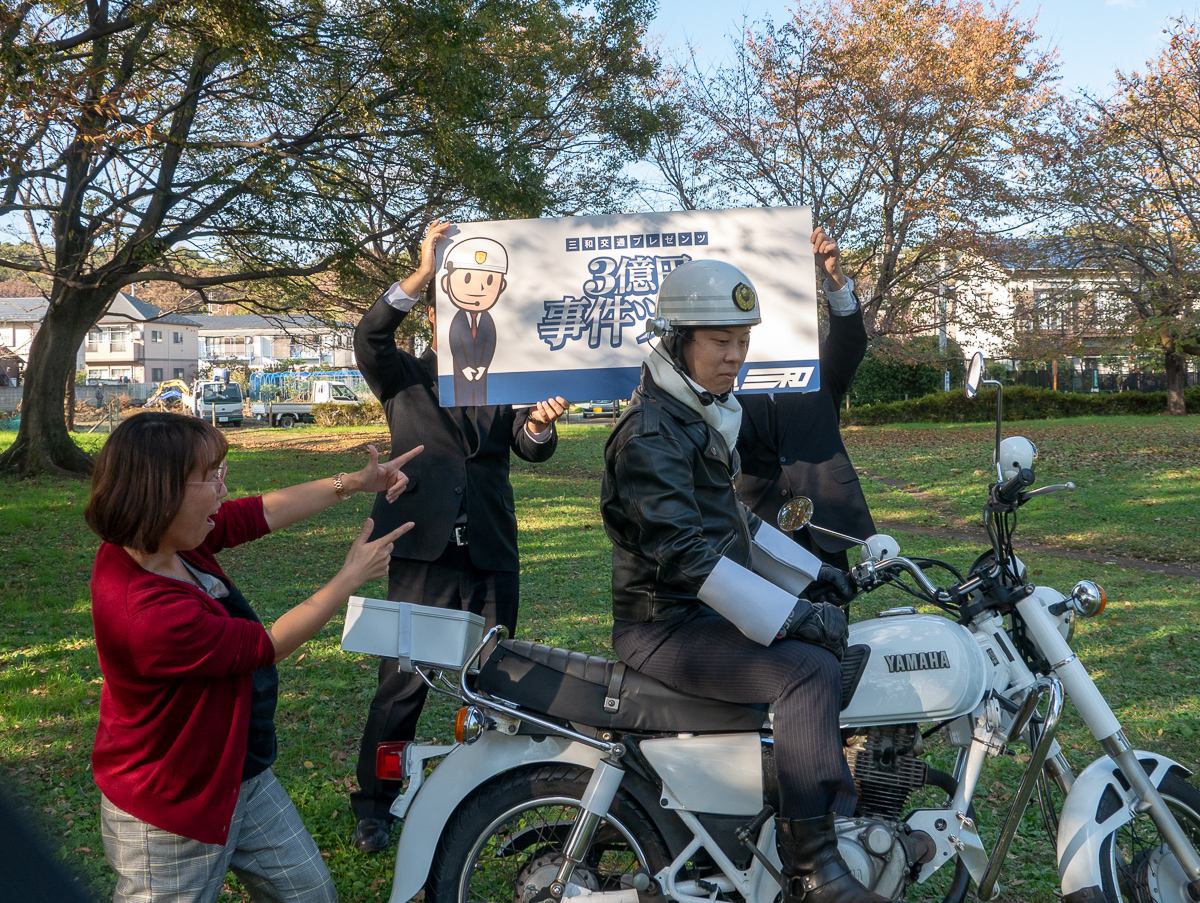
[{"x": 389, "y": 761}]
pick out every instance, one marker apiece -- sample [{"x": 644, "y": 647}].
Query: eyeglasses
[{"x": 219, "y": 480}]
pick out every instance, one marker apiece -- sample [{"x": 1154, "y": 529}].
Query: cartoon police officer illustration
[{"x": 474, "y": 280}]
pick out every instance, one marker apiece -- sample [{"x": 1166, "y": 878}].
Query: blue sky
[{"x": 1093, "y": 37}]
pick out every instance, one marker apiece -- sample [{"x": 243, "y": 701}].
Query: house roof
[
  {"x": 272, "y": 323},
  {"x": 22, "y": 310},
  {"x": 124, "y": 308}
]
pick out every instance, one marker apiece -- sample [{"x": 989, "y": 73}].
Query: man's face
[
  {"x": 714, "y": 356},
  {"x": 473, "y": 290}
]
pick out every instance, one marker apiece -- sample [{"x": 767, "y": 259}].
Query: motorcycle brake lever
[{"x": 1045, "y": 490}]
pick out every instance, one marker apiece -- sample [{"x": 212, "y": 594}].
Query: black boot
[{"x": 813, "y": 870}]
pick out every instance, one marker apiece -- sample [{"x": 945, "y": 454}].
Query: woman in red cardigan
[{"x": 187, "y": 733}]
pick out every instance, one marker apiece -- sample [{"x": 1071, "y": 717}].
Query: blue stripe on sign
[{"x": 604, "y": 383}]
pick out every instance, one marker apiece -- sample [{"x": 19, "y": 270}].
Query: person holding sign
[
  {"x": 790, "y": 443},
  {"x": 689, "y": 608},
  {"x": 464, "y": 557}
]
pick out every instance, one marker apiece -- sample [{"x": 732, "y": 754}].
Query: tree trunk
[
  {"x": 1176, "y": 362},
  {"x": 43, "y": 444}
]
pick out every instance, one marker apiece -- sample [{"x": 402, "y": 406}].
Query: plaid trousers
[{"x": 269, "y": 850}]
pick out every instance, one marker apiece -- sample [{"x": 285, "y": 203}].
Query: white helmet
[
  {"x": 1016, "y": 452},
  {"x": 478, "y": 254},
  {"x": 705, "y": 293}
]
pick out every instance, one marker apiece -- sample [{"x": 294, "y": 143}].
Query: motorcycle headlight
[{"x": 1088, "y": 598}]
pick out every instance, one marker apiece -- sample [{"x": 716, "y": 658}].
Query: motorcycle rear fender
[
  {"x": 468, "y": 767},
  {"x": 1097, "y": 806}
]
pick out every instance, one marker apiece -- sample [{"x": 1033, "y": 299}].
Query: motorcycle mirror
[
  {"x": 974, "y": 374},
  {"x": 794, "y": 514}
]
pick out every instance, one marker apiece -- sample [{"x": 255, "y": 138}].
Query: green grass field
[{"x": 1139, "y": 495}]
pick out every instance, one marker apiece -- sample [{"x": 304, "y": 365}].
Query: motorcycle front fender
[
  {"x": 464, "y": 769},
  {"x": 1098, "y": 805}
]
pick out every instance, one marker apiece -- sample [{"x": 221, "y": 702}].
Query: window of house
[
  {"x": 118, "y": 340},
  {"x": 121, "y": 372},
  {"x": 155, "y": 335},
  {"x": 94, "y": 338},
  {"x": 156, "y": 374},
  {"x": 178, "y": 373},
  {"x": 177, "y": 338}
]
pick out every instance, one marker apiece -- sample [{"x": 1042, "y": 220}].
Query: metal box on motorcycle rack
[
  {"x": 920, "y": 668},
  {"x": 414, "y": 634}
]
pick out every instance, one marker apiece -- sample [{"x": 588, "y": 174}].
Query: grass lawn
[{"x": 1139, "y": 495}]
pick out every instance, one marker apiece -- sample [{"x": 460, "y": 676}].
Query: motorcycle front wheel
[
  {"x": 504, "y": 844},
  {"x": 1136, "y": 866}
]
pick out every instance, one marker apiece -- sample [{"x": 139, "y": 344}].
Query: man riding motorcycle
[{"x": 706, "y": 594}]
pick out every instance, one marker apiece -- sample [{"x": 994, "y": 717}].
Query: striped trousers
[{"x": 707, "y": 656}]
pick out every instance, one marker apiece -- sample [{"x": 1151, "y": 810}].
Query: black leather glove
[
  {"x": 832, "y": 585},
  {"x": 820, "y": 623}
]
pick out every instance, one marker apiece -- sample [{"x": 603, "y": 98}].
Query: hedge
[{"x": 1020, "y": 403}]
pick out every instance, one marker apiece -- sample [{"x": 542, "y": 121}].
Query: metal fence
[
  {"x": 1084, "y": 380},
  {"x": 282, "y": 386}
]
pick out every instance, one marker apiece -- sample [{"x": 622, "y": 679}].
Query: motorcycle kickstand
[{"x": 600, "y": 792}]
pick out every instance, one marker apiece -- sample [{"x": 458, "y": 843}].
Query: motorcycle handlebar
[{"x": 1008, "y": 492}]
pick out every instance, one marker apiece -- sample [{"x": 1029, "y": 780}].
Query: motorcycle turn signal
[{"x": 469, "y": 724}]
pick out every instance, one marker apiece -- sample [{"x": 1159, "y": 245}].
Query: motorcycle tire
[
  {"x": 505, "y": 842},
  {"x": 1135, "y": 866}
]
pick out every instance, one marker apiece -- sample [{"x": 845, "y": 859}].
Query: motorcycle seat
[{"x": 602, "y": 693}]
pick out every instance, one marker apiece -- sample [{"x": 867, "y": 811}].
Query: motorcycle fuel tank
[{"x": 921, "y": 668}]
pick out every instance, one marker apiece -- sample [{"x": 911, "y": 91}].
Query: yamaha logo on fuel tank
[{"x": 917, "y": 661}]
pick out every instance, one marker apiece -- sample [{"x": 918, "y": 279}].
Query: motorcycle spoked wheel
[
  {"x": 506, "y": 841},
  {"x": 1136, "y": 866}
]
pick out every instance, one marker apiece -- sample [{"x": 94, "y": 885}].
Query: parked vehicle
[
  {"x": 289, "y": 413},
  {"x": 202, "y": 395},
  {"x": 574, "y": 777},
  {"x": 608, "y": 408}
]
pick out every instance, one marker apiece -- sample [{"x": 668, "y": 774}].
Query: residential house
[
  {"x": 20, "y": 319},
  {"x": 133, "y": 340},
  {"x": 261, "y": 341},
  {"x": 137, "y": 341}
]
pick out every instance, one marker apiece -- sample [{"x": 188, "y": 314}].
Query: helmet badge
[
  {"x": 743, "y": 297},
  {"x": 480, "y": 256}
]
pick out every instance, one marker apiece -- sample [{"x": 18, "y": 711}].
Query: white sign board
[{"x": 529, "y": 309}]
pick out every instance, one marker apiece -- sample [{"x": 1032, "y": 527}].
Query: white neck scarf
[{"x": 723, "y": 416}]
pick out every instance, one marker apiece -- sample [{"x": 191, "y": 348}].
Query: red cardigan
[{"x": 175, "y": 706}]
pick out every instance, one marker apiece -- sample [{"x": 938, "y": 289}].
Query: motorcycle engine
[{"x": 884, "y": 763}]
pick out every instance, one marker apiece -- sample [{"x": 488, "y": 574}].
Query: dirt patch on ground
[{"x": 312, "y": 440}]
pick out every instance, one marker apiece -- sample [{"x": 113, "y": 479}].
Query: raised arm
[{"x": 295, "y": 503}]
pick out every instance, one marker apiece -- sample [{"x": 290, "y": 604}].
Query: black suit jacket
[
  {"x": 466, "y": 453},
  {"x": 792, "y": 446}
]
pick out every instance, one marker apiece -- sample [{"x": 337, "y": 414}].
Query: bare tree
[
  {"x": 1130, "y": 188},
  {"x": 912, "y": 129}
]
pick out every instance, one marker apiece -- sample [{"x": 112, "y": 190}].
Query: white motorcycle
[{"x": 575, "y": 777}]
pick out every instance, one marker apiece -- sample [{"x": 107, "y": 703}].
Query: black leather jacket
[{"x": 670, "y": 507}]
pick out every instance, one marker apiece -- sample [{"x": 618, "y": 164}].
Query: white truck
[
  {"x": 217, "y": 400},
  {"x": 289, "y": 413}
]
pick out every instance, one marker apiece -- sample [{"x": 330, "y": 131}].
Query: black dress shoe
[{"x": 372, "y": 835}]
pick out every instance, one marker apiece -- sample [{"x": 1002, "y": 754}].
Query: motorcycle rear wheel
[
  {"x": 505, "y": 842},
  {"x": 1136, "y": 867}
]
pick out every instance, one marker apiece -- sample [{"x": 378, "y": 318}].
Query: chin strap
[{"x": 706, "y": 398}]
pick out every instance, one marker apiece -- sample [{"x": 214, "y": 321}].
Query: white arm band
[
  {"x": 753, "y": 605},
  {"x": 782, "y": 560}
]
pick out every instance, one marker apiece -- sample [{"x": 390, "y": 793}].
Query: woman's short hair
[{"x": 142, "y": 472}]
